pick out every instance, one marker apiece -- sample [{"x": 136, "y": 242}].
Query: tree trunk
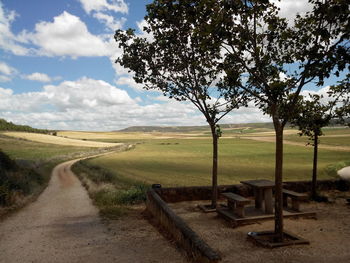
[
  {"x": 215, "y": 167},
  {"x": 314, "y": 169},
  {"x": 278, "y": 181}
]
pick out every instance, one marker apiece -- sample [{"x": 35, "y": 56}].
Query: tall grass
[{"x": 110, "y": 192}]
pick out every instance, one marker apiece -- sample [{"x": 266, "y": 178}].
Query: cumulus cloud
[
  {"x": 41, "y": 77},
  {"x": 104, "y": 5},
  {"x": 6, "y": 72},
  {"x": 289, "y": 8},
  {"x": 86, "y": 93},
  {"x": 67, "y": 35},
  {"x": 130, "y": 82},
  {"x": 111, "y": 23},
  {"x": 89, "y": 104},
  {"x": 8, "y": 40}
]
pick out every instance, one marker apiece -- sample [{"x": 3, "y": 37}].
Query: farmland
[
  {"x": 184, "y": 158},
  {"x": 43, "y": 138},
  {"x": 174, "y": 159}
]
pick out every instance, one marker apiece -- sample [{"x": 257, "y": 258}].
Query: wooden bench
[
  {"x": 236, "y": 203},
  {"x": 296, "y": 198}
]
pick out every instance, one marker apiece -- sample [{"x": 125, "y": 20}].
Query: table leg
[
  {"x": 258, "y": 198},
  {"x": 268, "y": 201}
]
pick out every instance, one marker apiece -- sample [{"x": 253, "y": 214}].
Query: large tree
[
  {"x": 273, "y": 60},
  {"x": 172, "y": 59}
]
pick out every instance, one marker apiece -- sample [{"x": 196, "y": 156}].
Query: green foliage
[
  {"x": 14, "y": 179},
  {"x": 9, "y": 126},
  {"x": 342, "y": 93},
  {"x": 312, "y": 116}
]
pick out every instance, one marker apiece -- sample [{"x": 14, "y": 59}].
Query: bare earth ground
[
  {"x": 329, "y": 235},
  {"x": 64, "y": 226}
]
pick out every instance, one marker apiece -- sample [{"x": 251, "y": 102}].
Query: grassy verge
[{"x": 112, "y": 194}]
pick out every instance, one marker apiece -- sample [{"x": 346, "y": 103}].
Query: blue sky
[{"x": 57, "y": 68}]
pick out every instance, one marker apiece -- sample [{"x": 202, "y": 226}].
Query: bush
[
  {"x": 14, "y": 179},
  {"x": 332, "y": 169}
]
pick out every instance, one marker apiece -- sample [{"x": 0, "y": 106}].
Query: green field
[
  {"x": 177, "y": 162},
  {"x": 333, "y": 137}
]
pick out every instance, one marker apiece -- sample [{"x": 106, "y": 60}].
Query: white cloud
[
  {"x": 41, "y": 77},
  {"x": 111, "y": 23},
  {"x": 161, "y": 98},
  {"x": 67, "y": 35},
  {"x": 6, "y": 69},
  {"x": 104, "y": 5},
  {"x": 289, "y": 8},
  {"x": 6, "y": 72},
  {"x": 129, "y": 81},
  {"x": 86, "y": 93},
  {"x": 4, "y": 78},
  {"x": 8, "y": 41}
]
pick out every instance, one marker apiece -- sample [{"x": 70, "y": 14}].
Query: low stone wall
[
  {"x": 193, "y": 193},
  {"x": 184, "y": 236}
]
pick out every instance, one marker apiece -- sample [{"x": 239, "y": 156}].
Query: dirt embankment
[{"x": 64, "y": 226}]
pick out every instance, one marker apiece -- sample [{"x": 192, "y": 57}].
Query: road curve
[{"x": 64, "y": 226}]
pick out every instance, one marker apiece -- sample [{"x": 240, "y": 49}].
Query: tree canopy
[{"x": 172, "y": 58}]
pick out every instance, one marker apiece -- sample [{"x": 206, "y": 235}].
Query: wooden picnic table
[{"x": 263, "y": 193}]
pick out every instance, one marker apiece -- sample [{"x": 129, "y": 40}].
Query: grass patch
[
  {"x": 332, "y": 169},
  {"x": 112, "y": 194}
]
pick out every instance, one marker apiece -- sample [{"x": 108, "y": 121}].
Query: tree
[
  {"x": 312, "y": 117},
  {"x": 174, "y": 61},
  {"x": 273, "y": 60},
  {"x": 342, "y": 92}
]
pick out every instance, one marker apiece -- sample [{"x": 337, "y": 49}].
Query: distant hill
[
  {"x": 185, "y": 129},
  {"x": 9, "y": 126}
]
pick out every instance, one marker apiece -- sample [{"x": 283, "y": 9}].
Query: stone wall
[
  {"x": 184, "y": 236},
  {"x": 192, "y": 193}
]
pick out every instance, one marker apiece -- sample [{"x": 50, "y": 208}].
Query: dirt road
[{"x": 64, "y": 226}]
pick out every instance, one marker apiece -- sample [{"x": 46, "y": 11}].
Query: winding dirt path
[{"x": 64, "y": 226}]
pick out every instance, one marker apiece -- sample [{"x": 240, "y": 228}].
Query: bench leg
[
  {"x": 285, "y": 200},
  {"x": 268, "y": 201},
  {"x": 258, "y": 198},
  {"x": 231, "y": 205},
  {"x": 295, "y": 204},
  {"x": 240, "y": 210}
]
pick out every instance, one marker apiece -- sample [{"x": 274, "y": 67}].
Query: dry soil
[{"x": 64, "y": 226}]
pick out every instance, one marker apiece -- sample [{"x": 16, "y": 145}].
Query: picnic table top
[{"x": 260, "y": 183}]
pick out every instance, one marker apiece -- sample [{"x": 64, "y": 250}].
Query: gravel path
[{"x": 64, "y": 226}]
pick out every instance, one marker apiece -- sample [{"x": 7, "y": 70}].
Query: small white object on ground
[{"x": 344, "y": 173}]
